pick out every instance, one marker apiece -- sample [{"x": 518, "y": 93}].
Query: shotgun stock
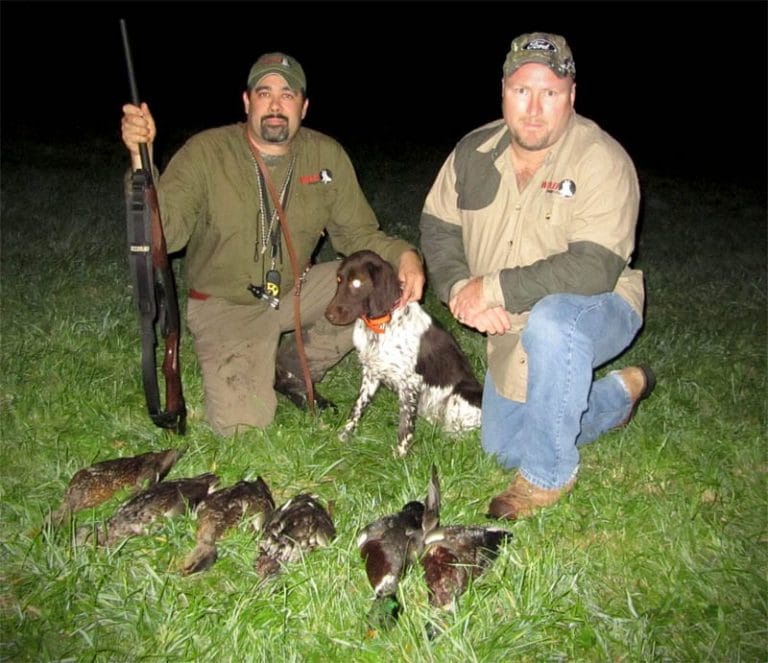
[{"x": 154, "y": 285}]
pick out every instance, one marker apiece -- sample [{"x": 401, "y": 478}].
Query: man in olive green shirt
[
  {"x": 528, "y": 233},
  {"x": 217, "y": 203}
]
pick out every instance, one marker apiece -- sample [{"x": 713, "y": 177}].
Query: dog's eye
[{"x": 356, "y": 283}]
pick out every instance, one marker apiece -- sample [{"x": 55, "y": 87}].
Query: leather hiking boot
[
  {"x": 522, "y": 499},
  {"x": 640, "y": 380},
  {"x": 292, "y": 387}
]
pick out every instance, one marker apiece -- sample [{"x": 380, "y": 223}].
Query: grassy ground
[{"x": 658, "y": 554}]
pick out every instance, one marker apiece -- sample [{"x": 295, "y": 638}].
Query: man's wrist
[{"x": 492, "y": 292}]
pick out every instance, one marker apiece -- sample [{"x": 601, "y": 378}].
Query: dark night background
[{"x": 682, "y": 85}]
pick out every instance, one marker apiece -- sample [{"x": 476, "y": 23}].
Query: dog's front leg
[
  {"x": 409, "y": 404},
  {"x": 368, "y": 388}
]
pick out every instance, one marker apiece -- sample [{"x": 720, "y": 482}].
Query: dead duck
[
  {"x": 296, "y": 528},
  {"x": 96, "y": 484},
  {"x": 456, "y": 554},
  {"x": 222, "y": 510},
  {"x": 165, "y": 499},
  {"x": 390, "y": 545}
]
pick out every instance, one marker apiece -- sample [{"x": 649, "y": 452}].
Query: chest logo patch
[
  {"x": 323, "y": 177},
  {"x": 563, "y": 188}
]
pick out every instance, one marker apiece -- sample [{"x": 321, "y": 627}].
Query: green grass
[{"x": 659, "y": 554}]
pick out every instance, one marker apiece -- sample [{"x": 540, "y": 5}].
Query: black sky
[{"x": 681, "y": 84}]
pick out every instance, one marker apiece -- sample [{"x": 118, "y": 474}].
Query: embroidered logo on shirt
[
  {"x": 323, "y": 177},
  {"x": 563, "y": 188}
]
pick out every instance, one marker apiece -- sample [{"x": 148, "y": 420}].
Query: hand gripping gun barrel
[{"x": 154, "y": 286}]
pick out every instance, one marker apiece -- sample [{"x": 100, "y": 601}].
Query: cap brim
[{"x": 533, "y": 58}]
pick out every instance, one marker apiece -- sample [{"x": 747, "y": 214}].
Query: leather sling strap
[{"x": 277, "y": 205}]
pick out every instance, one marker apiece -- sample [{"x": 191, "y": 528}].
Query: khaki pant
[{"x": 237, "y": 347}]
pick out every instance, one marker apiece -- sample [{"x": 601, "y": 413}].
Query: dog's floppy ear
[{"x": 386, "y": 287}]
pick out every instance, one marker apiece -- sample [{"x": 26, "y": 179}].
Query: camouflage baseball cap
[
  {"x": 278, "y": 63},
  {"x": 551, "y": 50}
]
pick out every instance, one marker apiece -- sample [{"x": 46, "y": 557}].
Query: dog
[{"x": 404, "y": 348}]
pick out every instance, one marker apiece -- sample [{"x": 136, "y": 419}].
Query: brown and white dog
[{"x": 403, "y": 348}]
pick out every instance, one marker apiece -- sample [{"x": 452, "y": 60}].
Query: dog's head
[{"x": 366, "y": 286}]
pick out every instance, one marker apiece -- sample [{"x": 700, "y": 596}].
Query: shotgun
[{"x": 154, "y": 286}]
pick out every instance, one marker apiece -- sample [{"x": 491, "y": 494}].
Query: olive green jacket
[
  {"x": 210, "y": 205},
  {"x": 571, "y": 230}
]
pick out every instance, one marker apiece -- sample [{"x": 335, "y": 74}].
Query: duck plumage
[
  {"x": 391, "y": 544},
  {"x": 165, "y": 499},
  {"x": 223, "y": 510},
  {"x": 456, "y": 554},
  {"x": 94, "y": 485},
  {"x": 297, "y": 527}
]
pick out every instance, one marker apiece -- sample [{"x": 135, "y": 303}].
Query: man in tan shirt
[{"x": 528, "y": 233}]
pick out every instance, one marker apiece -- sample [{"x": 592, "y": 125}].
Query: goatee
[{"x": 274, "y": 134}]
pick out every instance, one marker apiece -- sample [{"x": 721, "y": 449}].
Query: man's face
[
  {"x": 275, "y": 112},
  {"x": 537, "y": 105}
]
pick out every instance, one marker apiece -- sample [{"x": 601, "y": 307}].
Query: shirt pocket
[
  {"x": 309, "y": 213},
  {"x": 556, "y": 210},
  {"x": 312, "y": 203},
  {"x": 546, "y": 228}
]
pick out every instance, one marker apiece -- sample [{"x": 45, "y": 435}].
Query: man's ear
[
  {"x": 304, "y": 109},
  {"x": 246, "y": 102}
]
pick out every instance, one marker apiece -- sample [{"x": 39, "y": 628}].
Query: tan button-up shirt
[{"x": 572, "y": 229}]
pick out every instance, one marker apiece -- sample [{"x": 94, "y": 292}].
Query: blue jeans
[{"x": 567, "y": 337}]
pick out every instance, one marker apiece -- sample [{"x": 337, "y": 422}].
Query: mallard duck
[
  {"x": 454, "y": 555},
  {"x": 165, "y": 499},
  {"x": 296, "y": 528},
  {"x": 96, "y": 484},
  {"x": 390, "y": 545},
  {"x": 222, "y": 510}
]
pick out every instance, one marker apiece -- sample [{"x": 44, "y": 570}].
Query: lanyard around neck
[{"x": 270, "y": 231}]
